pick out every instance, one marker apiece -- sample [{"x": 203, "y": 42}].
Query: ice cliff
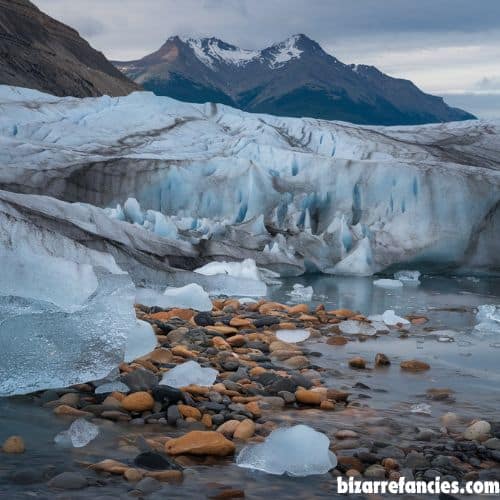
[{"x": 215, "y": 183}]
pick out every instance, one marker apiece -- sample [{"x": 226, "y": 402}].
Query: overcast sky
[{"x": 447, "y": 47}]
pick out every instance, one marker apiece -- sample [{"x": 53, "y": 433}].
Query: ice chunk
[
  {"x": 291, "y": 336},
  {"x": 245, "y": 269},
  {"x": 112, "y": 387},
  {"x": 132, "y": 211},
  {"x": 141, "y": 340},
  {"x": 191, "y": 296},
  {"x": 354, "y": 327},
  {"x": 189, "y": 373},
  {"x": 489, "y": 319},
  {"x": 408, "y": 277},
  {"x": 388, "y": 283},
  {"x": 79, "y": 434},
  {"x": 61, "y": 348},
  {"x": 301, "y": 293},
  {"x": 358, "y": 262},
  {"x": 390, "y": 318},
  {"x": 422, "y": 408},
  {"x": 61, "y": 282},
  {"x": 297, "y": 451}
]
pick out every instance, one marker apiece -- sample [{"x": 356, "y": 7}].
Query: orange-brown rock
[
  {"x": 327, "y": 405},
  {"x": 357, "y": 362},
  {"x": 254, "y": 408},
  {"x": 240, "y": 322},
  {"x": 200, "y": 443},
  {"x": 228, "y": 427},
  {"x": 221, "y": 344},
  {"x": 417, "y": 320},
  {"x": 70, "y": 411},
  {"x": 307, "y": 317},
  {"x": 297, "y": 362},
  {"x": 138, "y": 401},
  {"x": 118, "y": 395},
  {"x": 223, "y": 329},
  {"x": 343, "y": 313},
  {"x": 414, "y": 365},
  {"x": 110, "y": 466},
  {"x": 13, "y": 444},
  {"x": 165, "y": 475},
  {"x": 309, "y": 397},
  {"x": 268, "y": 307},
  {"x": 245, "y": 430},
  {"x": 206, "y": 420},
  {"x": 390, "y": 464},
  {"x": 337, "y": 395},
  {"x": 337, "y": 340},
  {"x": 184, "y": 352},
  {"x": 298, "y": 309},
  {"x": 161, "y": 355},
  {"x": 197, "y": 389},
  {"x": 185, "y": 314},
  {"x": 189, "y": 411},
  {"x": 236, "y": 341},
  {"x": 382, "y": 360}
]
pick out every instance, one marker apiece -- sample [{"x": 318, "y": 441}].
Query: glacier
[
  {"x": 99, "y": 196},
  {"x": 295, "y": 195}
]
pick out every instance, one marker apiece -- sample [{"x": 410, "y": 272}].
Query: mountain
[
  {"x": 293, "y": 78},
  {"x": 41, "y": 53}
]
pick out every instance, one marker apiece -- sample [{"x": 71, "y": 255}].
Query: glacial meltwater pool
[{"x": 389, "y": 407}]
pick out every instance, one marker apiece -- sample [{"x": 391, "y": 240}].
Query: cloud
[{"x": 443, "y": 46}]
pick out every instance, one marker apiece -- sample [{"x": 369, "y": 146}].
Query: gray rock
[
  {"x": 173, "y": 414},
  {"x": 375, "y": 471},
  {"x": 416, "y": 460},
  {"x": 493, "y": 444},
  {"x": 140, "y": 380},
  {"x": 289, "y": 397},
  {"x": 391, "y": 452},
  {"x": 69, "y": 481},
  {"x": 148, "y": 485}
]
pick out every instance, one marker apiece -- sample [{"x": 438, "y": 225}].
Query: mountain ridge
[
  {"x": 39, "y": 52},
  {"x": 295, "y": 77}
]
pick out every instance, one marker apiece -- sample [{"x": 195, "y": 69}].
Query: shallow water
[{"x": 468, "y": 365}]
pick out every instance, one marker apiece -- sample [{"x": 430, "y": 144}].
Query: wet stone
[
  {"x": 140, "y": 380},
  {"x": 154, "y": 461},
  {"x": 69, "y": 481}
]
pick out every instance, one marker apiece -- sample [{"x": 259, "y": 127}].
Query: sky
[{"x": 446, "y": 47}]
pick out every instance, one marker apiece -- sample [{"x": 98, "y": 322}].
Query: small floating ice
[
  {"x": 191, "y": 296},
  {"x": 292, "y": 336},
  {"x": 140, "y": 341},
  {"x": 297, "y": 451},
  {"x": 422, "y": 408},
  {"x": 390, "y": 318},
  {"x": 353, "y": 327},
  {"x": 488, "y": 317},
  {"x": 189, "y": 373},
  {"x": 108, "y": 387},
  {"x": 408, "y": 277},
  {"x": 79, "y": 434},
  {"x": 388, "y": 283},
  {"x": 301, "y": 293}
]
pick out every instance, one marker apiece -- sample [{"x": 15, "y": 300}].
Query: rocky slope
[
  {"x": 41, "y": 53},
  {"x": 293, "y": 78}
]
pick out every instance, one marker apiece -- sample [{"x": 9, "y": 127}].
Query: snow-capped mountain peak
[
  {"x": 212, "y": 50},
  {"x": 284, "y": 51}
]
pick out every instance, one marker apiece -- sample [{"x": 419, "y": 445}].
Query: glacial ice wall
[{"x": 333, "y": 197}]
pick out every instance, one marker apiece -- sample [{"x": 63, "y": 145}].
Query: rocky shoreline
[{"x": 262, "y": 383}]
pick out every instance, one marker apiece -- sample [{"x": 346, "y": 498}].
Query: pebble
[
  {"x": 358, "y": 363},
  {"x": 13, "y": 444},
  {"x": 309, "y": 397},
  {"x": 478, "y": 431},
  {"x": 69, "y": 481},
  {"x": 414, "y": 365},
  {"x": 382, "y": 360},
  {"x": 200, "y": 443},
  {"x": 375, "y": 471},
  {"x": 138, "y": 401}
]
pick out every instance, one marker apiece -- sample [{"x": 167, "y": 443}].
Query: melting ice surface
[
  {"x": 191, "y": 296},
  {"x": 297, "y": 451},
  {"x": 141, "y": 340},
  {"x": 79, "y": 434},
  {"x": 108, "y": 387},
  {"x": 488, "y": 317},
  {"x": 189, "y": 373},
  {"x": 408, "y": 277},
  {"x": 388, "y": 283},
  {"x": 302, "y": 293},
  {"x": 292, "y": 336}
]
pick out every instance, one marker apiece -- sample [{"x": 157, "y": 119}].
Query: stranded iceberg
[{"x": 100, "y": 195}]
